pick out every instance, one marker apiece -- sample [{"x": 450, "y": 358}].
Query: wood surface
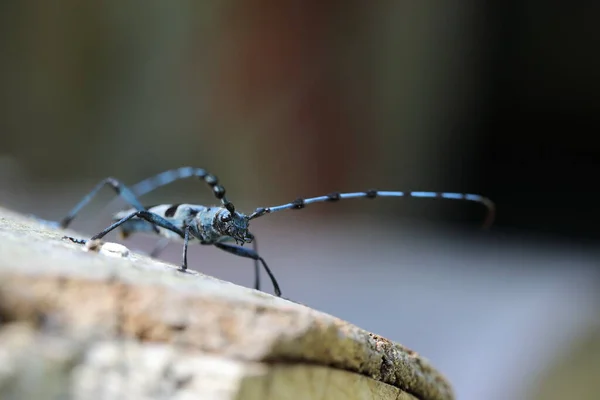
[{"x": 78, "y": 324}]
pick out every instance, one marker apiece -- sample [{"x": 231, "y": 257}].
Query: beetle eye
[{"x": 225, "y": 218}]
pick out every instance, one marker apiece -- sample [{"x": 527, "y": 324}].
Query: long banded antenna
[{"x": 371, "y": 194}]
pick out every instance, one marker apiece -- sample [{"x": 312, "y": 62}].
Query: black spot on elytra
[{"x": 169, "y": 212}]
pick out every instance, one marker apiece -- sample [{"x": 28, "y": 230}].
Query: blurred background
[{"x": 296, "y": 99}]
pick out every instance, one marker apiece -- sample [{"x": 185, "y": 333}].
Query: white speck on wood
[{"x": 110, "y": 249}]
